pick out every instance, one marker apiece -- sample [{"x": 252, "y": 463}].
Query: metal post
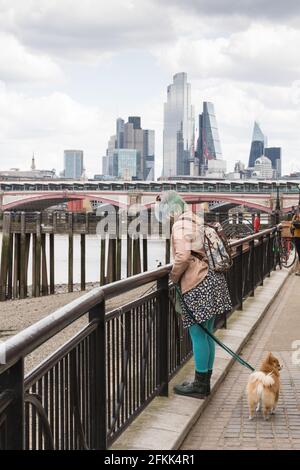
[
  {"x": 163, "y": 340},
  {"x": 98, "y": 379},
  {"x": 277, "y": 213},
  {"x": 268, "y": 253},
  {"x": 240, "y": 279},
  {"x": 261, "y": 263},
  {"x": 12, "y": 381},
  {"x": 252, "y": 268}
]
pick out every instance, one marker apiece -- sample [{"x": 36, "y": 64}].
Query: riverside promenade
[
  {"x": 224, "y": 424},
  {"x": 270, "y": 321}
]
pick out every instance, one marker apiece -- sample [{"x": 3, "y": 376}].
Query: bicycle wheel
[{"x": 287, "y": 252}]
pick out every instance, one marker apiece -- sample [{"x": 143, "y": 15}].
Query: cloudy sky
[{"x": 69, "y": 68}]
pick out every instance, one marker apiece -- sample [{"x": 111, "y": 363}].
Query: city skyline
[{"x": 58, "y": 91}]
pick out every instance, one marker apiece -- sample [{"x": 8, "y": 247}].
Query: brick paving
[{"x": 224, "y": 424}]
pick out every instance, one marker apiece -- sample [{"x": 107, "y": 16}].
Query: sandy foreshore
[{"x": 16, "y": 315}]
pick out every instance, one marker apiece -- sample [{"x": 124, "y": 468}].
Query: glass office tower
[
  {"x": 274, "y": 154},
  {"x": 130, "y": 136},
  {"x": 179, "y": 128},
  {"x": 208, "y": 144},
  {"x": 126, "y": 164},
  {"x": 258, "y": 144},
  {"x": 73, "y": 164}
]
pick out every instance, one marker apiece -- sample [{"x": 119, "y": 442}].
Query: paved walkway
[{"x": 224, "y": 424}]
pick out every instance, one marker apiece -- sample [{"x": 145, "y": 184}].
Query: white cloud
[
  {"x": 47, "y": 125},
  {"x": 256, "y": 9},
  {"x": 263, "y": 53},
  {"x": 19, "y": 64},
  {"x": 85, "y": 30}
]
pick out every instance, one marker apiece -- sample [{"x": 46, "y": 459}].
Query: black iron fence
[{"x": 88, "y": 391}]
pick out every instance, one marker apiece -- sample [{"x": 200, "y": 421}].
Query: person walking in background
[
  {"x": 291, "y": 214},
  {"x": 295, "y": 229},
  {"x": 205, "y": 292},
  {"x": 256, "y": 223}
]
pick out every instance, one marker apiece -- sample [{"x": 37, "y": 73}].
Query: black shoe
[
  {"x": 209, "y": 374},
  {"x": 196, "y": 389}
]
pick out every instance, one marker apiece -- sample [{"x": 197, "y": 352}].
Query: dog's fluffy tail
[{"x": 261, "y": 380}]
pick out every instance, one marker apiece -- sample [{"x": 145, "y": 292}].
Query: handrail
[
  {"x": 26, "y": 341},
  {"x": 252, "y": 237}
]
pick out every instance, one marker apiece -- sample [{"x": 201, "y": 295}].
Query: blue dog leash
[{"x": 211, "y": 335}]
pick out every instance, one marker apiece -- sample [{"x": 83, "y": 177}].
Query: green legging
[{"x": 203, "y": 346}]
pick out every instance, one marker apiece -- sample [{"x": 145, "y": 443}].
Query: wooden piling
[
  {"x": 51, "y": 262},
  {"x": 45, "y": 289},
  {"x": 168, "y": 251},
  {"x": 129, "y": 248},
  {"x": 168, "y": 242},
  {"x": 10, "y": 266},
  {"x": 118, "y": 245},
  {"x": 33, "y": 251},
  {"x": 27, "y": 251},
  {"x": 146, "y": 232},
  {"x": 22, "y": 261},
  {"x": 5, "y": 254},
  {"x": 145, "y": 253},
  {"x": 102, "y": 259},
  {"x": 136, "y": 262},
  {"x": 71, "y": 252},
  {"x": 82, "y": 260},
  {"x": 38, "y": 256},
  {"x": 111, "y": 259},
  {"x": 16, "y": 266}
]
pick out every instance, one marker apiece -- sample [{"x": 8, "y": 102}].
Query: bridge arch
[
  {"x": 231, "y": 200},
  {"x": 46, "y": 200}
]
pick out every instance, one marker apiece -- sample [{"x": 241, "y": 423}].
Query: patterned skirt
[{"x": 209, "y": 298}]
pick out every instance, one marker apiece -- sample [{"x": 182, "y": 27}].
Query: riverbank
[{"x": 16, "y": 315}]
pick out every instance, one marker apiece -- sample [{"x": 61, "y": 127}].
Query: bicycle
[{"x": 286, "y": 250}]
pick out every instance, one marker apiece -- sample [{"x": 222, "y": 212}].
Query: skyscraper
[
  {"x": 73, "y": 164},
  {"x": 259, "y": 141},
  {"x": 179, "y": 128},
  {"x": 274, "y": 154},
  {"x": 120, "y": 133},
  {"x": 149, "y": 155},
  {"x": 126, "y": 164},
  {"x": 208, "y": 143},
  {"x": 135, "y": 121},
  {"x": 131, "y": 136}
]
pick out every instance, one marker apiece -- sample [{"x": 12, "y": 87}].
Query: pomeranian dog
[{"x": 263, "y": 387}]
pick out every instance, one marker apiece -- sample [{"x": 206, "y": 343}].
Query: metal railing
[{"x": 88, "y": 391}]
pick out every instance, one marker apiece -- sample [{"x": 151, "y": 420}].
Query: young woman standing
[{"x": 204, "y": 291}]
